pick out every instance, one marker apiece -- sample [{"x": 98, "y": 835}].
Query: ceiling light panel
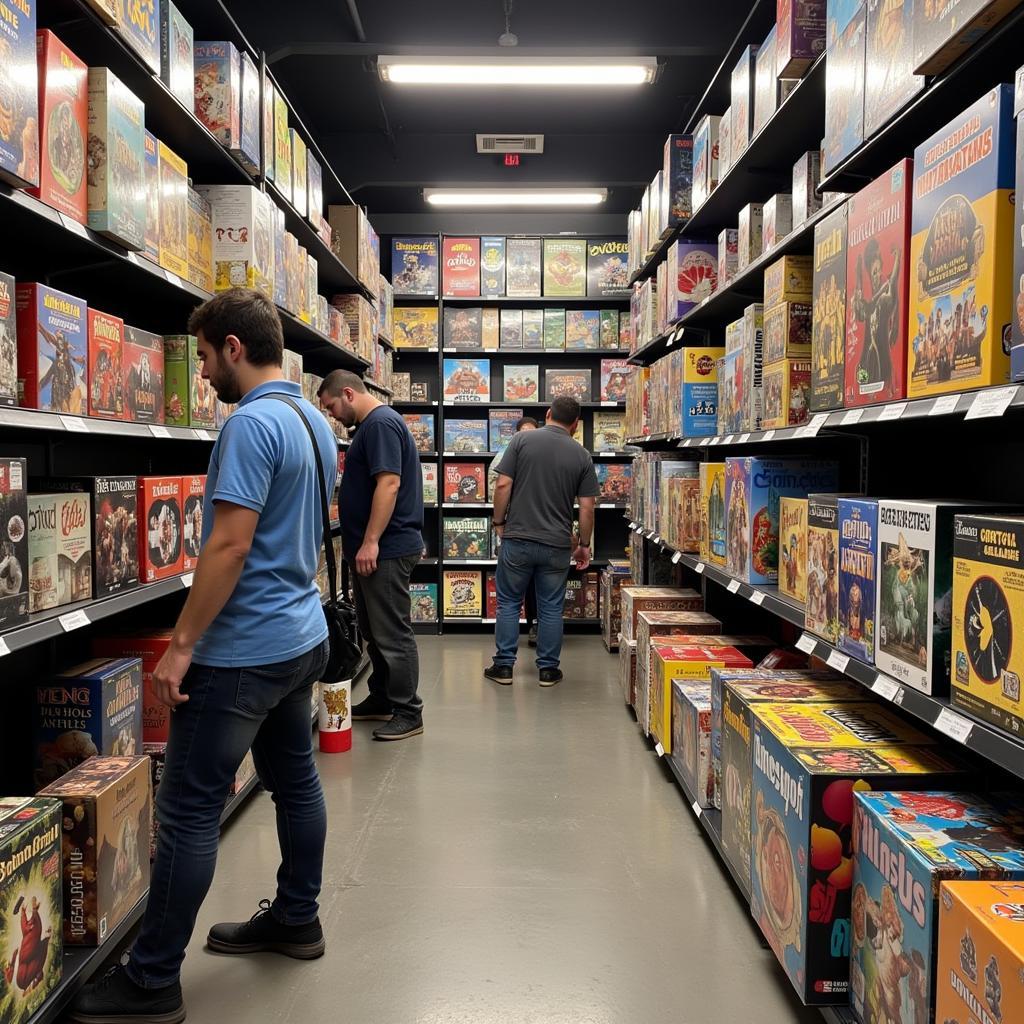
[
  {"x": 522, "y": 71},
  {"x": 515, "y": 197}
]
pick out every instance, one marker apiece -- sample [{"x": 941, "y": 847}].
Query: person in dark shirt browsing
[
  {"x": 381, "y": 505},
  {"x": 542, "y": 474}
]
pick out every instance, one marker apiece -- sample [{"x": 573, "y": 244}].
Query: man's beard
[{"x": 225, "y": 383}]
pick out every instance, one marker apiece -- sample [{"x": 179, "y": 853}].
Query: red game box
[
  {"x": 160, "y": 527},
  {"x": 460, "y": 263},
  {"x": 143, "y": 367},
  {"x": 106, "y": 380},
  {"x": 464, "y": 482},
  {"x": 150, "y": 646},
  {"x": 192, "y": 490}
]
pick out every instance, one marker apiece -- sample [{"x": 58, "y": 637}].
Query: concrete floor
[{"x": 526, "y": 861}]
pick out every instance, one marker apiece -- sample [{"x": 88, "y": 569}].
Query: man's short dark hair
[
  {"x": 247, "y": 314},
  {"x": 565, "y": 410},
  {"x": 336, "y": 380},
  {"x": 525, "y": 421}
]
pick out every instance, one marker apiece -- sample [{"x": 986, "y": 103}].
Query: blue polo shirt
[{"x": 263, "y": 460}]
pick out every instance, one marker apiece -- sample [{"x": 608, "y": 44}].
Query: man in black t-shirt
[
  {"x": 542, "y": 474},
  {"x": 381, "y": 505}
]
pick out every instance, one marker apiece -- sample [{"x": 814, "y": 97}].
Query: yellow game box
[
  {"x": 837, "y": 725},
  {"x": 793, "y": 548},
  {"x": 788, "y": 279}
]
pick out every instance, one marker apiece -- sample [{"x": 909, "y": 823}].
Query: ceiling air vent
[{"x": 510, "y": 143}]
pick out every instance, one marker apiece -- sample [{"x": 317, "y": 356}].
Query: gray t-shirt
[{"x": 549, "y": 470}]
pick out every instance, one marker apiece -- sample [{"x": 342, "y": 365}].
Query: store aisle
[{"x": 527, "y": 861}]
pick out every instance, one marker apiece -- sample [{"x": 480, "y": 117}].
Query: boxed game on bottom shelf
[
  {"x": 105, "y": 843},
  {"x": 636, "y": 599},
  {"x": 423, "y": 599},
  {"x": 858, "y": 577},
  {"x": 31, "y": 904},
  {"x": 905, "y": 844},
  {"x": 691, "y": 738},
  {"x": 463, "y": 594},
  {"x": 149, "y": 646},
  {"x": 980, "y": 923}
]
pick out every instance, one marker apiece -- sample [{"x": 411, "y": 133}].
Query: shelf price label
[
  {"x": 728, "y": 439},
  {"x": 659, "y": 750},
  {"x": 675, "y": 558},
  {"x": 4, "y": 649},
  {"x": 851, "y": 416},
  {"x": 944, "y": 405},
  {"x": 158, "y": 431},
  {"x": 203, "y": 435},
  {"x": 75, "y": 424},
  {"x": 72, "y": 225},
  {"x": 806, "y": 643},
  {"x": 991, "y": 402},
  {"x": 768, "y": 435},
  {"x": 733, "y": 587},
  {"x": 953, "y": 725},
  {"x": 686, "y": 442},
  {"x": 716, "y": 440},
  {"x": 757, "y": 597},
  {"x": 172, "y": 278},
  {"x": 744, "y": 438},
  {"x": 705, "y": 441},
  {"x": 657, "y": 539},
  {"x": 885, "y": 687},
  {"x": 699, "y": 568},
  {"x": 187, "y": 579},
  {"x": 696, "y": 808},
  {"x": 816, "y": 423},
  {"x": 892, "y": 411},
  {"x": 837, "y": 661},
  {"x": 73, "y": 620}
]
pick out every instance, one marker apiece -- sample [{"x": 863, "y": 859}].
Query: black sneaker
[
  {"x": 550, "y": 676},
  {"x": 116, "y": 999},
  {"x": 531, "y": 637},
  {"x": 263, "y": 933},
  {"x": 372, "y": 709},
  {"x": 401, "y": 727},
  {"x": 499, "y": 674}
]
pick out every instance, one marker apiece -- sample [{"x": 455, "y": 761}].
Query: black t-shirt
[
  {"x": 549, "y": 471},
  {"x": 383, "y": 444}
]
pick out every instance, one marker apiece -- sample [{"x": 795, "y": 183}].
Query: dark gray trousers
[{"x": 383, "y": 610}]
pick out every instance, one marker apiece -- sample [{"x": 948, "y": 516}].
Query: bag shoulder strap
[{"x": 332, "y": 563}]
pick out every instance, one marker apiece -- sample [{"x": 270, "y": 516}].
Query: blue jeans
[
  {"x": 229, "y": 710},
  {"x": 519, "y": 563}
]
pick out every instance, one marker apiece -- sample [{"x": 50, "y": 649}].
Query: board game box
[
  {"x": 732, "y": 393},
  {"x": 565, "y": 267},
  {"x": 614, "y": 375},
  {"x": 691, "y": 738},
  {"x": 944, "y": 32},
  {"x": 428, "y": 478},
  {"x": 705, "y": 158},
  {"x": 582, "y": 329},
  {"x": 218, "y": 94},
  {"x": 1017, "y": 333},
  {"x": 786, "y": 385},
  {"x": 573, "y": 383},
  {"x": 116, "y": 155},
  {"x": 14, "y": 545},
  {"x": 607, "y": 268},
  {"x": 63, "y": 128},
  {"x": 490, "y": 327},
  {"x": 282, "y": 147},
  {"x": 460, "y": 261},
  {"x": 461, "y": 435},
  {"x": 463, "y": 594},
  {"x": 416, "y": 326},
  {"x": 844, "y": 86},
  {"x": 149, "y": 645},
  {"x": 533, "y": 328},
  {"x": 89, "y": 709},
  {"x": 188, "y": 398},
  {"x": 806, "y": 176},
  {"x": 742, "y": 107},
  {"x": 766, "y": 82},
  {"x": 42, "y": 552},
  {"x": 177, "y": 57},
  {"x": 200, "y": 240},
  {"x": 114, "y": 534},
  {"x": 192, "y": 490},
  {"x": 692, "y": 276},
  {"x": 106, "y": 380},
  {"x": 523, "y": 268},
  {"x": 749, "y": 235},
  {"x": 159, "y": 513},
  {"x": 19, "y": 136},
  {"x": 315, "y": 204},
  {"x": 466, "y": 537},
  {"x": 31, "y": 904},
  {"x": 987, "y": 596},
  {"x": 801, "y": 836},
  {"x": 828, "y": 326},
  {"x": 522, "y": 383},
  {"x": 877, "y": 280},
  {"x": 173, "y": 211},
  {"x": 554, "y": 329},
  {"x": 889, "y": 79},
  {"x": 712, "y": 512},
  {"x": 858, "y": 577},
  {"x": 793, "y": 548},
  {"x": 423, "y": 599},
  {"x": 248, "y": 149},
  {"x": 698, "y": 391},
  {"x": 467, "y": 380},
  {"x": 799, "y": 37},
  {"x": 421, "y": 426},
  {"x": 60, "y": 549},
  {"x": 753, "y": 488},
  {"x": 8, "y": 341},
  {"x": 905, "y": 845},
  {"x": 52, "y": 349},
  {"x": 492, "y": 265},
  {"x": 961, "y": 295},
  {"x": 677, "y": 180},
  {"x": 609, "y": 328},
  {"x": 300, "y": 183},
  {"x": 787, "y": 332},
  {"x": 501, "y": 428},
  {"x": 464, "y": 482},
  {"x": 609, "y": 431},
  {"x": 822, "y": 603},
  {"x": 728, "y": 255},
  {"x": 138, "y": 23},
  {"x": 243, "y": 241},
  {"x": 142, "y": 364},
  {"x": 107, "y": 805},
  {"x": 462, "y": 327},
  {"x": 615, "y": 481},
  {"x": 511, "y": 330}
]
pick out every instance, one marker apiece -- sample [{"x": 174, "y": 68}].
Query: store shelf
[
  {"x": 991, "y": 60},
  {"x": 468, "y": 504},
  {"x": 58, "y": 621},
  {"x": 514, "y": 353},
  {"x": 671, "y": 338},
  {"x": 427, "y": 561},
  {"x": 405, "y": 350},
  {"x": 471, "y": 455},
  {"x": 318, "y": 347},
  {"x": 529, "y": 405},
  {"x": 416, "y": 300},
  {"x": 611, "y": 455},
  {"x": 650, "y": 264},
  {"x": 32, "y": 419},
  {"x": 237, "y": 799},
  {"x": 469, "y": 561},
  {"x": 425, "y": 628},
  {"x": 406, "y": 403},
  {"x": 427, "y": 455},
  {"x": 386, "y": 343},
  {"x": 381, "y": 388},
  {"x": 553, "y": 301}
]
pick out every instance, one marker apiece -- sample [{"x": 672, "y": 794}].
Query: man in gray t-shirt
[{"x": 540, "y": 477}]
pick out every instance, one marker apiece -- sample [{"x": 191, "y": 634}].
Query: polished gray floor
[{"x": 526, "y": 861}]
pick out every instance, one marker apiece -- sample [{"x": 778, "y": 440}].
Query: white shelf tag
[
  {"x": 187, "y": 578},
  {"x": 768, "y": 435},
  {"x": 172, "y": 278},
  {"x": 698, "y": 568},
  {"x": 953, "y": 725},
  {"x": 72, "y": 225},
  {"x": 757, "y": 597},
  {"x": 657, "y": 539},
  {"x": 716, "y": 440},
  {"x": 851, "y": 416},
  {"x": 728, "y": 439},
  {"x": 944, "y": 405},
  {"x": 806, "y": 643},
  {"x": 892, "y": 411},
  {"x": 676, "y": 557},
  {"x": 73, "y": 620},
  {"x": 696, "y": 808},
  {"x": 733, "y": 587},
  {"x": 609, "y": 405},
  {"x": 992, "y": 402},
  {"x": 75, "y": 424},
  {"x": 659, "y": 750},
  {"x": 744, "y": 438},
  {"x": 159, "y": 431},
  {"x": 687, "y": 442},
  {"x": 837, "y": 661},
  {"x": 203, "y": 435},
  {"x": 885, "y": 687},
  {"x": 4, "y": 649},
  {"x": 705, "y": 441},
  {"x": 816, "y": 423}
]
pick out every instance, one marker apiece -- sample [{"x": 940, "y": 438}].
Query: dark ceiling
[{"x": 387, "y": 142}]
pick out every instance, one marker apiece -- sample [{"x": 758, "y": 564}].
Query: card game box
[
  {"x": 463, "y": 594},
  {"x": 416, "y": 327},
  {"x": 19, "y": 135},
  {"x": 844, "y": 86},
  {"x": 799, "y": 35},
  {"x": 793, "y": 548},
  {"x": 522, "y": 268},
  {"x": 987, "y": 598},
  {"x": 52, "y": 349},
  {"x": 92, "y": 708},
  {"x": 192, "y": 490},
  {"x": 691, "y": 738},
  {"x": 806, "y": 175},
  {"x": 142, "y": 364},
  {"x": 177, "y": 59},
  {"x": 467, "y": 380},
  {"x": 676, "y": 181},
  {"x": 607, "y": 272},
  {"x": 173, "y": 211},
  {"x": 243, "y": 239},
  {"x": 188, "y": 398},
  {"x": 63, "y": 128},
  {"x": 218, "y": 91},
  {"x": 115, "y": 543},
  {"x": 107, "y": 804},
  {"x": 8, "y": 341},
  {"x": 464, "y": 482},
  {"x": 423, "y": 598},
  {"x": 712, "y": 512},
  {"x": 14, "y": 543},
  {"x": 889, "y": 79},
  {"x": 116, "y": 156},
  {"x": 492, "y": 265},
  {"x": 692, "y": 276},
  {"x": 464, "y": 436},
  {"x": 573, "y": 383},
  {"x": 786, "y": 385},
  {"x": 980, "y": 923},
  {"x": 828, "y": 322},
  {"x": 565, "y": 267},
  {"x": 858, "y": 577},
  {"x": 801, "y": 836},
  {"x": 466, "y": 536},
  {"x": 460, "y": 267},
  {"x": 742, "y": 108},
  {"x": 106, "y": 378},
  {"x": 160, "y": 534},
  {"x": 421, "y": 426},
  {"x": 31, "y": 904},
  {"x": 905, "y": 846},
  {"x": 961, "y": 295}
]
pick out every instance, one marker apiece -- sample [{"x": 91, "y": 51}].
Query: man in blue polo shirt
[
  {"x": 250, "y": 642},
  {"x": 381, "y": 505}
]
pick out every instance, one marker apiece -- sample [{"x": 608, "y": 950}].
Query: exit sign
[{"x": 511, "y": 159}]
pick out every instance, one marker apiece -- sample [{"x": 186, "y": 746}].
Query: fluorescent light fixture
[
  {"x": 515, "y": 196},
  {"x": 550, "y": 71}
]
